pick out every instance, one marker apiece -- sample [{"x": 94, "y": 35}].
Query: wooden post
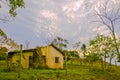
[
  {"x": 20, "y": 62},
  {"x": 66, "y": 63},
  {"x": 21, "y": 56}
]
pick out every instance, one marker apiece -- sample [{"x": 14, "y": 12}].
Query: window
[
  {"x": 56, "y": 59},
  {"x": 44, "y": 59}
]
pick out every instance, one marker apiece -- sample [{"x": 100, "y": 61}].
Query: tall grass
[{"x": 75, "y": 72}]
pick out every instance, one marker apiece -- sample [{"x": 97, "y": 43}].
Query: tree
[
  {"x": 7, "y": 44},
  {"x": 38, "y": 61},
  {"x": 92, "y": 55},
  {"x": 101, "y": 48},
  {"x": 109, "y": 16},
  {"x": 2, "y": 33},
  {"x": 13, "y": 5},
  {"x": 60, "y": 43},
  {"x": 83, "y": 48},
  {"x": 11, "y": 44},
  {"x": 76, "y": 45},
  {"x": 72, "y": 55},
  {"x": 27, "y": 43}
]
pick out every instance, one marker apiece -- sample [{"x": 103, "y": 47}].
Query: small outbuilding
[{"x": 43, "y": 57}]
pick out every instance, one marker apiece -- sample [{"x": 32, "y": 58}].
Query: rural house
[{"x": 43, "y": 57}]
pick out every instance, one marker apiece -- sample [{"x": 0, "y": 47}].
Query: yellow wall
[
  {"x": 25, "y": 59},
  {"x": 49, "y": 51},
  {"x": 55, "y": 53},
  {"x": 25, "y": 62}
]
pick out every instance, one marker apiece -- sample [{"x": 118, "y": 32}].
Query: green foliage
[
  {"x": 72, "y": 54},
  {"x": 102, "y": 45},
  {"x": 60, "y": 43},
  {"x": 14, "y": 4},
  {"x": 75, "y": 72},
  {"x": 2, "y": 33},
  {"x": 3, "y": 53},
  {"x": 110, "y": 19},
  {"x": 83, "y": 48},
  {"x": 93, "y": 57},
  {"x": 100, "y": 48},
  {"x": 37, "y": 60}
]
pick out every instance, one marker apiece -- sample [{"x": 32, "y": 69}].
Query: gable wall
[{"x": 52, "y": 54}]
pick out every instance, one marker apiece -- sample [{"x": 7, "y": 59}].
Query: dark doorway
[{"x": 30, "y": 61}]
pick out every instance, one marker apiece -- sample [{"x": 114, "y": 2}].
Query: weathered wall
[
  {"x": 49, "y": 51},
  {"x": 25, "y": 59},
  {"x": 55, "y": 53}
]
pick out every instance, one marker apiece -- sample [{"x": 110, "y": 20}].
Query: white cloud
[
  {"x": 48, "y": 14},
  {"x": 72, "y": 6},
  {"x": 70, "y": 19},
  {"x": 46, "y": 23}
]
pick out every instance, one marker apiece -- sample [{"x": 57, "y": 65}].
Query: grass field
[{"x": 74, "y": 72}]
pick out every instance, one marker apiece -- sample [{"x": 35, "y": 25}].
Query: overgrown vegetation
[{"x": 75, "y": 71}]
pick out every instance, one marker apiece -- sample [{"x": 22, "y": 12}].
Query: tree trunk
[
  {"x": 105, "y": 60},
  {"x": 114, "y": 38},
  {"x": 102, "y": 64},
  {"x": 110, "y": 61}
]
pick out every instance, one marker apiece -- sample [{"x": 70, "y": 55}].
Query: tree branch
[{"x": 101, "y": 18}]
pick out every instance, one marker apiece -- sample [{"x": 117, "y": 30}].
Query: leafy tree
[
  {"x": 72, "y": 55},
  {"x": 60, "y": 43},
  {"x": 109, "y": 16},
  {"x": 83, "y": 48},
  {"x": 36, "y": 60},
  {"x": 102, "y": 47},
  {"x": 91, "y": 55},
  {"x": 13, "y": 5},
  {"x": 2, "y": 33},
  {"x": 94, "y": 50}
]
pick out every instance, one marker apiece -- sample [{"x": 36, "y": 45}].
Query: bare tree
[
  {"x": 76, "y": 45},
  {"x": 11, "y": 44},
  {"x": 109, "y": 16},
  {"x": 27, "y": 44}
]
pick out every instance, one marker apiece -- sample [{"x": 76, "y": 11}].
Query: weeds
[{"x": 75, "y": 72}]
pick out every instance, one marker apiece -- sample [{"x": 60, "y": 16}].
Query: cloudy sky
[{"x": 41, "y": 20}]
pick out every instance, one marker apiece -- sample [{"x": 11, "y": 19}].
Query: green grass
[{"x": 74, "y": 72}]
